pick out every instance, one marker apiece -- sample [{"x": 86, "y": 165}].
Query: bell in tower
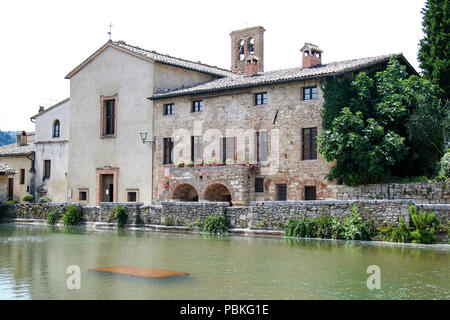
[{"x": 245, "y": 42}]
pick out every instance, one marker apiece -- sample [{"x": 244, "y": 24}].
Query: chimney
[
  {"x": 41, "y": 109},
  {"x": 21, "y": 139},
  {"x": 311, "y": 55},
  {"x": 251, "y": 65}
]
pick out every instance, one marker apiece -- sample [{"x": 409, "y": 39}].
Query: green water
[{"x": 34, "y": 259}]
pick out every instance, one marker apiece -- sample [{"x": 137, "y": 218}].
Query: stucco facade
[
  {"x": 18, "y": 156},
  {"x": 52, "y": 146},
  {"x": 122, "y": 159}
]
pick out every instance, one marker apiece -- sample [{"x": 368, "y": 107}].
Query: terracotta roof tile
[
  {"x": 5, "y": 169},
  {"x": 270, "y": 77}
]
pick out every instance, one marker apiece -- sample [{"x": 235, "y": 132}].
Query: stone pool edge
[{"x": 234, "y": 231}]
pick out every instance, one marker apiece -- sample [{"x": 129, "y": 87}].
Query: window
[
  {"x": 310, "y": 193},
  {"x": 259, "y": 184},
  {"x": 169, "y": 109},
  {"x": 196, "y": 148},
  {"x": 46, "y": 169},
  {"x": 261, "y": 146},
  {"x": 82, "y": 195},
  {"x": 22, "y": 176},
  {"x": 131, "y": 196},
  {"x": 167, "y": 149},
  {"x": 260, "y": 98},
  {"x": 309, "y": 144},
  {"x": 56, "y": 129},
  {"x": 228, "y": 149},
  {"x": 108, "y": 116},
  {"x": 197, "y": 106},
  {"x": 309, "y": 93},
  {"x": 282, "y": 192}
]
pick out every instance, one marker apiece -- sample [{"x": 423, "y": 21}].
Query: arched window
[{"x": 56, "y": 129}]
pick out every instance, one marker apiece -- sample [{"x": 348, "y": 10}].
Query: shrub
[
  {"x": 168, "y": 221},
  {"x": 44, "y": 199},
  {"x": 121, "y": 215},
  {"x": 326, "y": 226},
  {"x": 198, "y": 222},
  {"x": 52, "y": 217},
  {"x": 424, "y": 224},
  {"x": 444, "y": 167},
  {"x": 401, "y": 233},
  {"x": 28, "y": 198},
  {"x": 72, "y": 215},
  {"x": 301, "y": 228},
  {"x": 11, "y": 202},
  {"x": 215, "y": 224},
  {"x": 356, "y": 227}
]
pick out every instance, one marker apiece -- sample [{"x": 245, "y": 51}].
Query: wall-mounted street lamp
[{"x": 145, "y": 141}]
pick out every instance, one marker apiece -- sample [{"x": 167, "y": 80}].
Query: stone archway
[
  {"x": 217, "y": 192},
  {"x": 185, "y": 192}
]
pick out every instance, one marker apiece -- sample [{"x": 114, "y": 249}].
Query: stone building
[
  {"x": 20, "y": 157},
  {"x": 268, "y": 118},
  {"x": 124, "y": 144},
  {"x": 52, "y": 149}
]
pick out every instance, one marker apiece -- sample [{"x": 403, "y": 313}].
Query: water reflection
[{"x": 33, "y": 263}]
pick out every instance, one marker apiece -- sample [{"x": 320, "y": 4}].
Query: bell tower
[{"x": 247, "y": 42}]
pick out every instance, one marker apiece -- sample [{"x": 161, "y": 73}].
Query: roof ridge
[{"x": 121, "y": 42}]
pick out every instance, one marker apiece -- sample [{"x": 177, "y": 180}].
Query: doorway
[
  {"x": 108, "y": 187},
  {"x": 10, "y": 188}
]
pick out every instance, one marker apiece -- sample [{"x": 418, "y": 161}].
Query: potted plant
[
  {"x": 253, "y": 168},
  {"x": 200, "y": 163},
  {"x": 209, "y": 162},
  {"x": 165, "y": 183},
  {"x": 230, "y": 162},
  {"x": 190, "y": 164},
  {"x": 216, "y": 162},
  {"x": 180, "y": 164}
]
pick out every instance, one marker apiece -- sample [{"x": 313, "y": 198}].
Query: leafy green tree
[
  {"x": 434, "y": 48},
  {"x": 390, "y": 120}
]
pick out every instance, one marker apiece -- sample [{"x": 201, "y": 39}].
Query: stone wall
[
  {"x": 185, "y": 212},
  {"x": 419, "y": 192},
  {"x": 268, "y": 215}
]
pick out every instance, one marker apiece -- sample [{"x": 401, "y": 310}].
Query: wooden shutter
[
  {"x": 306, "y": 144},
  {"x": 313, "y": 143},
  {"x": 230, "y": 148},
  {"x": 263, "y": 145}
]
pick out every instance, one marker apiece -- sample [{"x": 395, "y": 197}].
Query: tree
[
  {"x": 391, "y": 120},
  {"x": 434, "y": 48}
]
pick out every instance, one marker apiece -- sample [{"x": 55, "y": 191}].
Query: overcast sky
[{"x": 42, "y": 41}]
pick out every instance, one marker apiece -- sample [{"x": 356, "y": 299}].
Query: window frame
[
  {"x": 311, "y": 93},
  {"x": 166, "y": 109},
  {"x": 104, "y": 117},
  {"x": 260, "y": 98},
  {"x": 199, "y": 140},
  {"x": 197, "y": 106},
  {"x": 22, "y": 176},
  {"x": 56, "y": 124},
  {"x": 136, "y": 191},
  {"x": 310, "y": 188},
  {"x": 312, "y": 144},
  {"x": 47, "y": 173},
  {"x": 170, "y": 159},
  {"x": 259, "y": 147},
  {"x": 83, "y": 190},
  {"x": 279, "y": 194},
  {"x": 259, "y": 187}
]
